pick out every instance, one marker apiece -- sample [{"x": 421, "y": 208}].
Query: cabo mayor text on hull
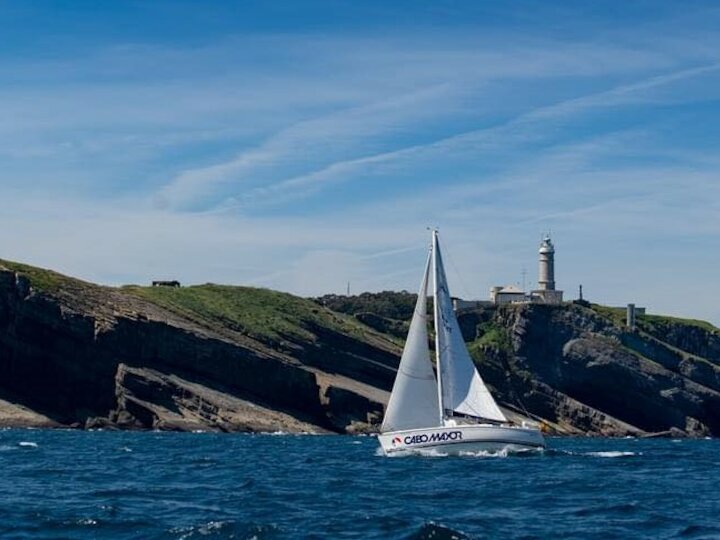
[
  {"x": 434, "y": 437},
  {"x": 452, "y": 411}
]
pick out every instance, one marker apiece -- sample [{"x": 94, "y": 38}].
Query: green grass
[
  {"x": 492, "y": 336},
  {"x": 495, "y": 337},
  {"x": 617, "y": 316},
  {"x": 650, "y": 322},
  {"x": 40, "y": 278},
  {"x": 259, "y": 313},
  {"x": 263, "y": 314},
  {"x": 653, "y": 321}
]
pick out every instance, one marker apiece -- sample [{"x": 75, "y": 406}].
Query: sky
[{"x": 303, "y": 145}]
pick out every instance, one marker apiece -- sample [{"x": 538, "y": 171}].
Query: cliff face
[
  {"x": 577, "y": 368},
  {"x": 241, "y": 359},
  {"x": 73, "y": 353}
]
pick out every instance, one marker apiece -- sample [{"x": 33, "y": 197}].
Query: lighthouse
[
  {"x": 546, "y": 280},
  {"x": 546, "y": 292}
]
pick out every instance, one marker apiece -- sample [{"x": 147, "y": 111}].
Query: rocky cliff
[
  {"x": 206, "y": 357},
  {"x": 580, "y": 370},
  {"x": 241, "y": 359}
]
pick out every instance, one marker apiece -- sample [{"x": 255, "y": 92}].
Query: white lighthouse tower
[
  {"x": 546, "y": 280},
  {"x": 546, "y": 292}
]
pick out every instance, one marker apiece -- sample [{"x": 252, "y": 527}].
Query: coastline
[{"x": 238, "y": 359}]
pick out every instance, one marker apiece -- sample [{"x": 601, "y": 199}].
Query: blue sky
[{"x": 301, "y": 145}]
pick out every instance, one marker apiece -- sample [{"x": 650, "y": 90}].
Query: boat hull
[{"x": 462, "y": 439}]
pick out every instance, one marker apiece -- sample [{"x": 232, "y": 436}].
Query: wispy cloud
[
  {"x": 450, "y": 77},
  {"x": 526, "y": 126}
]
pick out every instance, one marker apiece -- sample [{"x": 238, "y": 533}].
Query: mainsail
[
  {"x": 414, "y": 400},
  {"x": 462, "y": 388}
]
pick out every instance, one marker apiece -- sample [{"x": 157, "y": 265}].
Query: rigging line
[
  {"x": 463, "y": 286},
  {"x": 522, "y": 406},
  {"x": 517, "y": 397}
]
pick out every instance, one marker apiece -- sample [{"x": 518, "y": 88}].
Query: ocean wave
[
  {"x": 620, "y": 508},
  {"x": 433, "y": 531},
  {"x": 702, "y": 531},
  {"x": 27, "y": 444},
  {"x": 281, "y": 433},
  {"x": 486, "y": 453},
  {"x": 556, "y": 452},
  {"x": 425, "y": 452},
  {"x": 224, "y": 529},
  {"x": 612, "y": 454},
  {"x": 433, "y": 452},
  {"x": 503, "y": 453}
]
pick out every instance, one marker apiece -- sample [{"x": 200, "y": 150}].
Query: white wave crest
[
  {"x": 281, "y": 433},
  {"x": 426, "y": 452},
  {"x": 613, "y": 454},
  {"x": 485, "y": 453},
  {"x": 27, "y": 444},
  {"x": 433, "y": 452},
  {"x": 206, "y": 529}
]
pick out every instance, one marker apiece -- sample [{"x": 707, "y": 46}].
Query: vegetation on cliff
[
  {"x": 388, "y": 304},
  {"x": 260, "y": 313},
  {"x": 388, "y": 312},
  {"x": 40, "y": 278},
  {"x": 651, "y": 322}
]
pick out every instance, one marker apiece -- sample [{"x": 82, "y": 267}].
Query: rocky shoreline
[{"x": 214, "y": 358}]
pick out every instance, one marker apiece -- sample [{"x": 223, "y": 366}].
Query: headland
[{"x": 224, "y": 358}]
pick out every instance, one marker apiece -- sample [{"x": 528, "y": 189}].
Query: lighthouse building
[{"x": 545, "y": 293}]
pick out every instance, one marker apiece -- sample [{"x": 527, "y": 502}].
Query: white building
[{"x": 508, "y": 295}]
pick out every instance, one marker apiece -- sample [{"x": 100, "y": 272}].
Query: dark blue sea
[{"x": 120, "y": 485}]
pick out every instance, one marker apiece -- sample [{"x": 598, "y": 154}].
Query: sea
[{"x": 130, "y": 485}]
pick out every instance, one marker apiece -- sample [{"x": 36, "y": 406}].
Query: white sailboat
[{"x": 454, "y": 412}]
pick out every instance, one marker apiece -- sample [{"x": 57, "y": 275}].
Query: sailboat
[{"x": 453, "y": 412}]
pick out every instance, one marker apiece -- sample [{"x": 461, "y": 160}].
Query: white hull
[{"x": 462, "y": 439}]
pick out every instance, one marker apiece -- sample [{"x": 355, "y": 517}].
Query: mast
[{"x": 436, "y": 318}]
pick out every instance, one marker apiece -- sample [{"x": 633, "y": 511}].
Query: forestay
[
  {"x": 463, "y": 390},
  {"x": 414, "y": 400}
]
